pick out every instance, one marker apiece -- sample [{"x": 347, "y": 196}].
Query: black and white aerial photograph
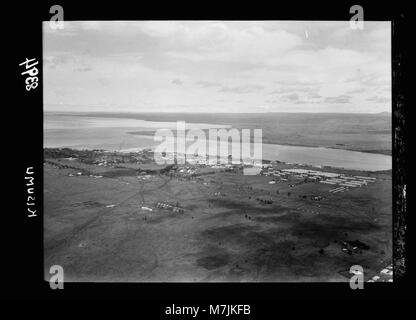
[
  {"x": 217, "y": 151},
  {"x": 208, "y": 162}
]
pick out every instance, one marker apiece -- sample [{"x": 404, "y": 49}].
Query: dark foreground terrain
[{"x": 135, "y": 221}]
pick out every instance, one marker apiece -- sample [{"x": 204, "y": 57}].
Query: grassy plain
[{"x": 98, "y": 228}]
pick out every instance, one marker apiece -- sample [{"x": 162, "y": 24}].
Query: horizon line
[{"x": 218, "y": 112}]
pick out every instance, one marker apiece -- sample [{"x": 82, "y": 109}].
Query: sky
[{"x": 217, "y": 66}]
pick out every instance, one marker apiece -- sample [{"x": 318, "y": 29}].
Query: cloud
[
  {"x": 242, "y": 89},
  {"x": 271, "y": 101},
  {"x": 104, "y": 82},
  {"x": 281, "y": 90},
  {"x": 314, "y": 95},
  {"x": 208, "y": 84},
  {"x": 357, "y": 90},
  {"x": 290, "y": 87},
  {"x": 83, "y": 69},
  {"x": 292, "y": 97},
  {"x": 177, "y": 81},
  {"x": 151, "y": 61},
  {"x": 379, "y": 99},
  {"x": 54, "y": 61},
  {"x": 338, "y": 99}
]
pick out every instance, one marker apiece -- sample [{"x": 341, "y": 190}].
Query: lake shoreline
[
  {"x": 344, "y": 142},
  {"x": 265, "y": 161}
]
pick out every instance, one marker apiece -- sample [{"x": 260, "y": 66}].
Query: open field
[{"x": 105, "y": 223}]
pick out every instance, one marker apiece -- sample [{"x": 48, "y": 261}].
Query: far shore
[{"x": 269, "y": 141}]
